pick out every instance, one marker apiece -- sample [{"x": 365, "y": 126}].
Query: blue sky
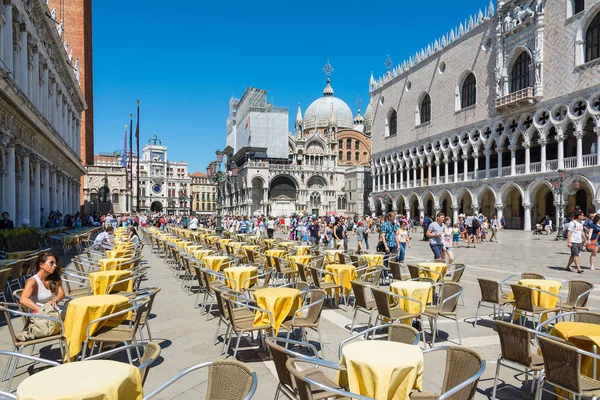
[{"x": 185, "y": 63}]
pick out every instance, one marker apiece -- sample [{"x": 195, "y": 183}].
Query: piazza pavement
[{"x": 186, "y": 336}]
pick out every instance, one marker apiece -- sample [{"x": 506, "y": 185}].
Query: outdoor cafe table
[
  {"x": 215, "y": 262},
  {"x": 236, "y": 245},
  {"x": 433, "y": 270},
  {"x": 302, "y": 250},
  {"x": 100, "y": 280},
  {"x": 82, "y": 310},
  {"x": 540, "y": 299},
  {"x": 347, "y": 273},
  {"x": 106, "y": 264},
  {"x": 200, "y": 254},
  {"x": 92, "y": 379},
  {"x": 372, "y": 259},
  {"x": 239, "y": 275},
  {"x": 124, "y": 246},
  {"x": 330, "y": 255},
  {"x": 278, "y": 253},
  {"x": 281, "y": 302},
  {"x": 184, "y": 243},
  {"x": 119, "y": 253},
  {"x": 382, "y": 369},
  {"x": 305, "y": 259},
  {"x": 420, "y": 291},
  {"x": 286, "y": 244},
  {"x": 584, "y": 336},
  {"x": 224, "y": 241},
  {"x": 192, "y": 247}
]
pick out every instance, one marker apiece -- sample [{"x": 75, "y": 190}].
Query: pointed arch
[
  {"x": 534, "y": 187},
  {"x": 506, "y": 187},
  {"x": 411, "y": 197},
  {"x": 481, "y": 192}
]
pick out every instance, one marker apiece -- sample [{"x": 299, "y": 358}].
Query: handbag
[
  {"x": 592, "y": 244},
  {"x": 381, "y": 247},
  {"x": 36, "y": 328}
]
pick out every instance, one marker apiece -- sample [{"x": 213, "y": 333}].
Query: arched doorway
[
  {"x": 156, "y": 207},
  {"x": 378, "y": 209},
  {"x": 446, "y": 203},
  {"x": 400, "y": 206},
  {"x": 543, "y": 204},
  {"x": 257, "y": 196},
  {"x": 487, "y": 202},
  {"x": 465, "y": 202},
  {"x": 104, "y": 199},
  {"x": 514, "y": 212},
  {"x": 282, "y": 195},
  {"x": 414, "y": 207},
  {"x": 582, "y": 197}
]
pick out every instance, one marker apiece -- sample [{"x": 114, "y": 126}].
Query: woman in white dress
[{"x": 45, "y": 286}]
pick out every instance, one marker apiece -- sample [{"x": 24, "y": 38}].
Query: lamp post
[
  {"x": 183, "y": 197},
  {"x": 559, "y": 188},
  {"x": 228, "y": 175}
]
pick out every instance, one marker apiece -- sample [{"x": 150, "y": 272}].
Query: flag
[
  {"x": 130, "y": 151},
  {"x": 124, "y": 156}
]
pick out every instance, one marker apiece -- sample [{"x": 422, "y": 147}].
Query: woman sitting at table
[
  {"x": 45, "y": 286},
  {"x": 133, "y": 236}
]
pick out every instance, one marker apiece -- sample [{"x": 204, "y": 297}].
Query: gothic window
[
  {"x": 93, "y": 198},
  {"x": 578, "y": 6},
  {"x": 520, "y": 73},
  {"x": 592, "y": 40},
  {"x": 425, "y": 109},
  {"x": 392, "y": 123},
  {"x": 104, "y": 195},
  {"x": 115, "y": 198},
  {"x": 468, "y": 95}
]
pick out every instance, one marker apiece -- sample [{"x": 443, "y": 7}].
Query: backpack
[{"x": 476, "y": 223}]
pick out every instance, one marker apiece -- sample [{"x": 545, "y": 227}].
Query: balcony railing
[
  {"x": 517, "y": 98},
  {"x": 570, "y": 162},
  {"x": 589, "y": 160},
  {"x": 535, "y": 167}
]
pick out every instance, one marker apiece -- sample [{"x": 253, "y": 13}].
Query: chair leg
[
  {"x": 353, "y": 319},
  {"x": 7, "y": 368},
  {"x": 148, "y": 329},
  {"x": 476, "y": 313},
  {"x": 458, "y": 330},
  {"x": 226, "y": 338},
  {"x": 321, "y": 346},
  {"x": 496, "y": 379},
  {"x": 435, "y": 332},
  {"x": 237, "y": 346},
  {"x": 14, "y": 369},
  {"x": 217, "y": 331},
  {"x": 540, "y": 385}
]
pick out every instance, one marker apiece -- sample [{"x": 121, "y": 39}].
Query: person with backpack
[{"x": 435, "y": 233}]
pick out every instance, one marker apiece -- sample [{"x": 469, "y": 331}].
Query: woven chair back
[
  {"x": 229, "y": 379},
  {"x": 523, "y": 297},
  {"x": 382, "y": 302},
  {"x": 514, "y": 343},
  {"x": 562, "y": 363},
  {"x": 313, "y": 314},
  {"x": 151, "y": 350},
  {"x": 490, "y": 290},
  {"x": 360, "y": 297},
  {"x": 402, "y": 333},
  {"x": 457, "y": 273},
  {"x": 587, "y": 317},
  {"x": 5, "y": 273},
  {"x": 414, "y": 271},
  {"x": 531, "y": 275},
  {"x": 461, "y": 364},
  {"x": 279, "y": 359},
  {"x": 577, "y": 288},
  {"x": 396, "y": 270}
]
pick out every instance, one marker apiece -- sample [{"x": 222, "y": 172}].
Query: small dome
[
  {"x": 368, "y": 119},
  {"x": 318, "y": 113}
]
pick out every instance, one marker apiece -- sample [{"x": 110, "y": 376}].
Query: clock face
[{"x": 156, "y": 188}]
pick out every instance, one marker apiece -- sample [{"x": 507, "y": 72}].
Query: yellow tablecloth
[
  {"x": 87, "y": 380},
  {"x": 239, "y": 275},
  {"x": 330, "y": 255},
  {"x": 215, "y": 262},
  {"x": 302, "y": 250},
  {"x": 286, "y": 244},
  {"x": 100, "y": 280},
  {"x": 433, "y": 268},
  {"x": 182, "y": 244},
  {"x": 124, "y": 246},
  {"x": 200, "y": 254},
  {"x": 372, "y": 259},
  {"x": 382, "y": 370},
  {"x": 541, "y": 299},
  {"x": 275, "y": 253},
  {"x": 119, "y": 253},
  {"x": 107, "y": 264},
  {"x": 420, "y": 291},
  {"x": 192, "y": 247},
  {"x": 347, "y": 273},
  {"x": 280, "y": 301},
  {"x": 82, "y": 310},
  {"x": 305, "y": 259},
  {"x": 269, "y": 240},
  {"x": 584, "y": 336},
  {"x": 224, "y": 241},
  {"x": 18, "y": 254},
  {"x": 236, "y": 245}
]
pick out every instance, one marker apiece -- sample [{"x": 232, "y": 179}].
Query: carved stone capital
[
  {"x": 499, "y": 206},
  {"x": 23, "y": 152}
]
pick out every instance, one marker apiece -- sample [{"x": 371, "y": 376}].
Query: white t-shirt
[
  {"x": 271, "y": 224},
  {"x": 194, "y": 223},
  {"x": 576, "y": 229}
]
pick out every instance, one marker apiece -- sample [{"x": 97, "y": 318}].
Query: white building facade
[
  {"x": 40, "y": 115},
  {"x": 106, "y": 187},
  {"x": 482, "y": 119}
]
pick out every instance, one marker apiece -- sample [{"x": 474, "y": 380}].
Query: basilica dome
[
  {"x": 368, "y": 119},
  {"x": 318, "y": 113}
]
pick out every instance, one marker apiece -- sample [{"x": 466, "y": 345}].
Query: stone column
[
  {"x": 556, "y": 214},
  {"x": 455, "y": 159},
  {"x": 37, "y": 204},
  {"x": 579, "y": 137},
  {"x": 401, "y": 169},
  {"x": 513, "y": 160},
  {"x": 52, "y": 105},
  {"x": 527, "y": 217},
  {"x": 25, "y": 201},
  {"x": 414, "y": 176},
  {"x": 373, "y": 177},
  {"x": 454, "y": 213},
  {"x": 395, "y": 172},
  {"x": 44, "y": 95},
  {"x": 8, "y": 41},
  {"x": 487, "y": 153},
  {"x": 46, "y": 191},
  {"x": 35, "y": 82},
  {"x": 475, "y": 156},
  {"x": 60, "y": 197},
  {"x": 23, "y": 61},
  {"x": 499, "y": 209},
  {"x": 422, "y": 175},
  {"x": 597, "y": 130},
  {"x": 11, "y": 184},
  {"x": 446, "y": 171},
  {"x": 560, "y": 139},
  {"x": 421, "y": 211},
  {"x": 465, "y": 158},
  {"x": 499, "y": 151},
  {"x": 542, "y": 143},
  {"x": 527, "y": 146},
  {"x": 437, "y": 172},
  {"x": 53, "y": 191},
  {"x": 429, "y": 174},
  {"x": 59, "y": 117}
]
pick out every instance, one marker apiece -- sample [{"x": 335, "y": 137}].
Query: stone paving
[{"x": 186, "y": 337}]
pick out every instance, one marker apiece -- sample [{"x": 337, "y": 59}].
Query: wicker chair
[
  {"x": 456, "y": 273},
  {"x": 361, "y": 303},
  {"x": 287, "y": 384},
  {"x": 464, "y": 367},
  {"x": 266, "y": 277},
  {"x": 396, "y": 270},
  {"x": 587, "y": 317},
  {"x": 227, "y": 379},
  {"x": 307, "y": 383},
  {"x": 577, "y": 298},
  {"x": 524, "y": 303},
  {"x": 446, "y": 307},
  {"x": 241, "y": 313},
  {"x": 5, "y": 273},
  {"x": 301, "y": 268},
  {"x": 516, "y": 353},
  {"x": 328, "y": 286},
  {"x": 151, "y": 353},
  {"x": 396, "y": 313},
  {"x": 531, "y": 275},
  {"x": 399, "y": 333},
  {"x": 340, "y": 258},
  {"x": 492, "y": 297},
  {"x": 312, "y": 317},
  {"x": 562, "y": 369},
  {"x": 283, "y": 270}
]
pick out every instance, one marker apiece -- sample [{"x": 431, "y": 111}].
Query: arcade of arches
[{"x": 522, "y": 204}]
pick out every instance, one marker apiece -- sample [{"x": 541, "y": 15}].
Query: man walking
[
  {"x": 388, "y": 235},
  {"x": 574, "y": 240},
  {"x": 435, "y": 233},
  {"x": 313, "y": 231}
]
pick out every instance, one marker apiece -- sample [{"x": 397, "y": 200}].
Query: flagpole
[
  {"x": 124, "y": 159},
  {"x": 130, "y": 187},
  {"x": 137, "y": 140}
]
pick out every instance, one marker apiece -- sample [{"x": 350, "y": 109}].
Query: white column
[
  {"x": 455, "y": 159},
  {"x": 35, "y": 82},
  {"x": 422, "y": 175},
  {"x": 59, "y": 117},
  {"x": 543, "y": 155},
  {"x": 513, "y": 160},
  {"x": 475, "y": 164},
  {"x": 560, "y": 139},
  {"x": 414, "y": 176},
  {"x": 23, "y": 68},
  {"x": 437, "y": 172},
  {"x": 579, "y": 137},
  {"x": 499, "y": 208},
  {"x": 11, "y": 195},
  {"x": 60, "y": 197},
  {"x": 527, "y": 147},
  {"x": 421, "y": 212},
  {"x": 44, "y": 94},
  {"x": 65, "y": 126},
  {"x": 446, "y": 171},
  {"x": 527, "y": 216},
  {"x": 8, "y": 40},
  {"x": 487, "y": 153},
  {"x": 78, "y": 139},
  {"x": 25, "y": 201},
  {"x": 46, "y": 191},
  {"x": 53, "y": 191},
  {"x": 401, "y": 170},
  {"x": 499, "y": 150},
  {"x": 395, "y": 172},
  {"x": 597, "y": 130},
  {"x": 372, "y": 177},
  {"x": 465, "y": 167},
  {"x": 454, "y": 213},
  {"x": 37, "y": 204},
  {"x": 429, "y": 174},
  {"x": 52, "y": 105}
]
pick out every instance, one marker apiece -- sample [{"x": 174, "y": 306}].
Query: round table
[
  {"x": 302, "y": 250},
  {"x": 584, "y": 336},
  {"x": 224, "y": 241},
  {"x": 100, "y": 280},
  {"x": 372, "y": 259},
  {"x": 420, "y": 291},
  {"x": 305, "y": 259},
  {"x": 382, "y": 369},
  {"x": 347, "y": 273},
  {"x": 286, "y": 244},
  {"x": 278, "y": 253},
  {"x": 433, "y": 270},
  {"x": 548, "y": 285},
  {"x": 93, "y": 379},
  {"x": 108, "y": 264},
  {"x": 126, "y": 253},
  {"x": 281, "y": 302},
  {"x": 200, "y": 254},
  {"x": 215, "y": 262},
  {"x": 330, "y": 255},
  {"x": 239, "y": 275},
  {"x": 82, "y": 310}
]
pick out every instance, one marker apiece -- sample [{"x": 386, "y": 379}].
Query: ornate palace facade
[
  {"x": 482, "y": 119},
  {"x": 40, "y": 115}
]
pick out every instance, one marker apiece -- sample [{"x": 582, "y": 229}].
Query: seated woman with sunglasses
[{"x": 45, "y": 286}]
